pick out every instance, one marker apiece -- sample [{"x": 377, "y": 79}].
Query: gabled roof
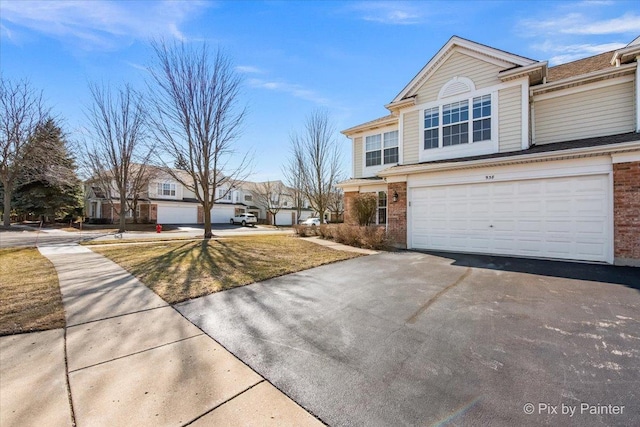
[{"x": 501, "y": 57}]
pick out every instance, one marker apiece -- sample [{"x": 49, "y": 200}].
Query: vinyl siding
[
  {"x": 598, "y": 112},
  {"x": 510, "y": 117},
  {"x": 411, "y": 138},
  {"x": 357, "y": 157},
  {"x": 483, "y": 74}
]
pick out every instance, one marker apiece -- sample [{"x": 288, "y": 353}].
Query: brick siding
[
  {"x": 626, "y": 213},
  {"x": 349, "y": 218},
  {"x": 397, "y": 214}
]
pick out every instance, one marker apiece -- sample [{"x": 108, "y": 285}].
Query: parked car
[
  {"x": 311, "y": 222},
  {"x": 244, "y": 219}
]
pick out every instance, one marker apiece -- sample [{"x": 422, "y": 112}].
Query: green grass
[
  {"x": 30, "y": 298},
  {"x": 178, "y": 271}
]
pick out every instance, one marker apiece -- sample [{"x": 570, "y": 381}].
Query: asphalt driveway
[{"x": 422, "y": 339}]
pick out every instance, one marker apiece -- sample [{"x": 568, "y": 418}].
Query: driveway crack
[{"x": 425, "y": 306}]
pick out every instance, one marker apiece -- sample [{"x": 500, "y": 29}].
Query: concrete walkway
[
  {"x": 131, "y": 359},
  {"x": 338, "y": 246}
]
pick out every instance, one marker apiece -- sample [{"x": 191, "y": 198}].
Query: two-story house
[
  {"x": 281, "y": 198},
  {"x": 485, "y": 151},
  {"x": 164, "y": 201}
]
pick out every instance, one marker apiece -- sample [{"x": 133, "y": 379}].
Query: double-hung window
[
  {"x": 166, "y": 189},
  {"x": 382, "y": 207},
  {"x": 456, "y": 122},
  {"x": 381, "y": 149},
  {"x": 222, "y": 195},
  {"x": 482, "y": 118}
]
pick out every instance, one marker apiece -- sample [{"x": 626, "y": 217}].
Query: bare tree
[
  {"x": 270, "y": 196},
  {"x": 317, "y": 155},
  {"x": 197, "y": 121},
  {"x": 118, "y": 144},
  {"x": 141, "y": 175},
  {"x": 293, "y": 173},
  {"x": 336, "y": 202},
  {"x": 21, "y": 113}
]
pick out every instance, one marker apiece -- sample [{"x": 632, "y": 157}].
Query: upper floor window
[
  {"x": 248, "y": 198},
  {"x": 166, "y": 189},
  {"x": 222, "y": 195},
  {"x": 381, "y": 149},
  {"x": 456, "y": 122}
]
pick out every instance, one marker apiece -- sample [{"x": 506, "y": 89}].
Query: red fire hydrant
[{"x": 158, "y": 228}]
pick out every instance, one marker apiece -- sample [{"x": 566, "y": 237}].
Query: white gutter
[
  {"x": 583, "y": 78},
  {"x": 523, "y": 158}
]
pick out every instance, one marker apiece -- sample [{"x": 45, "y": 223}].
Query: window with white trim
[
  {"x": 382, "y": 208},
  {"x": 166, "y": 189},
  {"x": 248, "y": 198},
  {"x": 381, "y": 149},
  {"x": 456, "y": 121},
  {"x": 222, "y": 195}
]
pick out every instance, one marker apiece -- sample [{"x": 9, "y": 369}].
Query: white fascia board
[
  {"x": 472, "y": 49},
  {"x": 352, "y": 131},
  {"x": 582, "y": 78},
  {"x": 524, "y": 158},
  {"x": 627, "y": 157},
  {"x": 522, "y": 71}
]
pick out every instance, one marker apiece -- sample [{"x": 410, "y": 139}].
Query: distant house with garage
[
  {"x": 166, "y": 201},
  {"x": 485, "y": 151}
]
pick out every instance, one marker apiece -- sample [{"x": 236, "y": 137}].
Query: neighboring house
[
  {"x": 490, "y": 152},
  {"x": 165, "y": 201},
  {"x": 253, "y": 194}
]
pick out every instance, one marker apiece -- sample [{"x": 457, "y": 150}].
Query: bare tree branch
[
  {"x": 117, "y": 153},
  {"x": 270, "y": 196},
  {"x": 197, "y": 121},
  {"x": 315, "y": 161},
  {"x": 21, "y": 112}
]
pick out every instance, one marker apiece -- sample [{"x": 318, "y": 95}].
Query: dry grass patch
[
  {"x": 181, "y": 271},
  {"x": 30, "y": 298},
  {"x": 116, "y": 241}
]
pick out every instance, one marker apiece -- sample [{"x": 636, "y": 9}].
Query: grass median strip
[
  {"x": 178, "y": 271},
  {"x": 30, "y": 298}
]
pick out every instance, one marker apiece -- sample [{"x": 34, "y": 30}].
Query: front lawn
[
  {"x": 178, "y": 271},
  {"x": 30, "y": 298}
]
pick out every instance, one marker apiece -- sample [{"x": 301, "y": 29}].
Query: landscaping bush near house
[
  {"x": 305, "y": 230},
  {"x": 326, "y": 231},
  {"x": 369, "y": 237}
]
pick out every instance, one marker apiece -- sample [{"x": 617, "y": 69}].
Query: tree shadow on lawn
[{"x": 194, "y": 269}]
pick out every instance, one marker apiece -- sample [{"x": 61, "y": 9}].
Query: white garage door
[
  {"x": 222, "y": 214},
  {"x": 564, "y": 218},
  {"x": 177, "y": 214}
]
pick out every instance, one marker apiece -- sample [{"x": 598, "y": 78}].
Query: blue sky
[{"x": 350, "y": 58}]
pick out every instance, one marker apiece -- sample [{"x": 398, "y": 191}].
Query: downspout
[
  {"x": 637, "y": 93},
  {"x": 532, "y": 119}
]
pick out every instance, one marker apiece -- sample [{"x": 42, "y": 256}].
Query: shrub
[
  {"x": 373, "y": 237},
  {"x": 364, "y": 208},
  {"x": 327, "y": 231},
  {"x": 304, "y": 230}
]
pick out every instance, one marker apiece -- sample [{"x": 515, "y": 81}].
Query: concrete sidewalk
[
  {"x": 338, "y": 246},
  {"x": 133, "y": 360}
]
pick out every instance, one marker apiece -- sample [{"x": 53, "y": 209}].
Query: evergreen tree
[{"x": 51, "y": 189}]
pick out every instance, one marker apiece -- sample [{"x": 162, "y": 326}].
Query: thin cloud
[
  {"x": 249, "y": 69},
  {"x": 392, "y": 13},
  {"x": 295, "y": 90},
  {"x": 560, "y": 54},
  {"x": 580, "y": 24},
  {"x": 99, "y": 25}
]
